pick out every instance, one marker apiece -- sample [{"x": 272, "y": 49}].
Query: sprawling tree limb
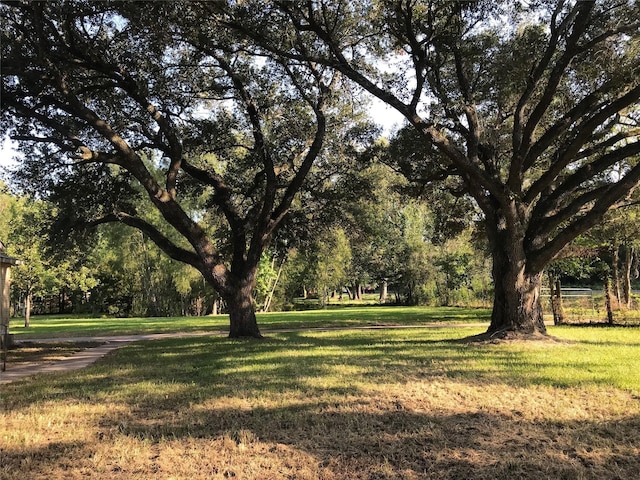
[
  {"x": 548, "y": 205},
  {"x": 162, "y": 241},
  {"x": 614, "y": 194},
  {"x": 525, "y": 135},
  {"x": 537, "y": 73},
  {"x": 222, "y": 197}
]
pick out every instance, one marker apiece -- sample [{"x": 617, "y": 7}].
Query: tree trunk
[
  {"x": 517, "y": 306},
  {"x": 410, "y": 286},
  {"x": 555, "y": 291},
  {"x": 607, "y": 298},
  {"x": 615, "y": 273},
  {"x": 199, "y": 306},
  {"x": 215, "y": 306},
  {"x": 242, "y": 314},
  {"x": 324, "y": 298},
  {"x": 383, "y": 291},
  {"x": 626, "y": 276},
  {"x": 27, "y": 310}
]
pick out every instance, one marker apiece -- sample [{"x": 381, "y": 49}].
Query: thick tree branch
[
  {"x": 537, "y": 72},
  {"x": 261, "y": 147},
  {"x": 305, "y": 167},
  {"x": 416, "y": 49},
  {"x": 580, "y": 177},
  {"x": 306, "y": 22},
  {"x": 162, "y": 241},
  {"x": 560, "y": 127},
  {"x": 470, "y": 111},
  {"x": 524, "y": 129},
  {"x": 222, "y": 197},
  {"x": 583, "y": 133},
  {"x": 615, "y": 193}
]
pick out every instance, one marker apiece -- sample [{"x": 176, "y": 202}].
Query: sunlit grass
[
  {"x": 401, "y": 404},
  {"x": 48, "y": 326}
]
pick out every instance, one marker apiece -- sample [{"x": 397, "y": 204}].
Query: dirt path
[{"x": 90, "y": 355}]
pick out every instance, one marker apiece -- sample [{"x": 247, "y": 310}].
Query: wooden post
[
  {"x": 607, "y": 298},
  {"x": 555, "y": 292},
  {"x": 6, "y": 263},
  {"x": 560, "y": 306}
]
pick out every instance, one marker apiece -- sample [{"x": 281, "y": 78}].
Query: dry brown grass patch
[{"x": 415, "y": 430}]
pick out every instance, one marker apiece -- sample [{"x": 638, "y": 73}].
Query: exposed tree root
[{"x": 505, "y": 336}]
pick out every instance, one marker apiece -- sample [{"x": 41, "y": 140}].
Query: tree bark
[
  {"x": 199, "y": 306},
  {"x": 357, "y": 291},
  {"x": 324, "y": 297},
  {"x": 607, "y": 298},
  {"x": 626, "y": 276},
  {"x": 555, "y": 291},
  {"x": 242, "y": 314},
  {"x": 350, "y": 293},
  {"x": 517, "y": 306},
  {"x": 384, "y": 291},
  {"x": 215, "y": 306},
  {"x": 615, "y": 273},
  {"x": 27, "y": 310}
]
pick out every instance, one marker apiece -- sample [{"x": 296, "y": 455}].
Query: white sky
[
  {"x": 6, "y": 153},
  {"x": 389, "y": 118}
]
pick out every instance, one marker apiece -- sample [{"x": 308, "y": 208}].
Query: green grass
[
  {"x": 51, "y": 326},
  {"x": 388, "y": 404},
  {"x": 74, "y": 326},
  {"x": 596, "y": 358},
  {"x": 586, "y": 356},
  {"x": 318, "y": 362}
]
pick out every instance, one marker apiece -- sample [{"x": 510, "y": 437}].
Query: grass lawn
[
  {"x": 351, "y": 404},
  {"x": 50, "y": 326}
]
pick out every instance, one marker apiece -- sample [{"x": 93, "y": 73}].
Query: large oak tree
[
  {"x": 532, "y": 105},
  {"x": 111, "y": 109}
]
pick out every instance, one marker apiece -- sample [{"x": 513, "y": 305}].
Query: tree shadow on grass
[
  {"x": 352, "y": 441},
  {"x": 168, "y": 371},
  {"x": 323, "y": 397}
]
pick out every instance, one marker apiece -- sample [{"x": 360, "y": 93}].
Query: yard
[{"x": 344, "y": 404}]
